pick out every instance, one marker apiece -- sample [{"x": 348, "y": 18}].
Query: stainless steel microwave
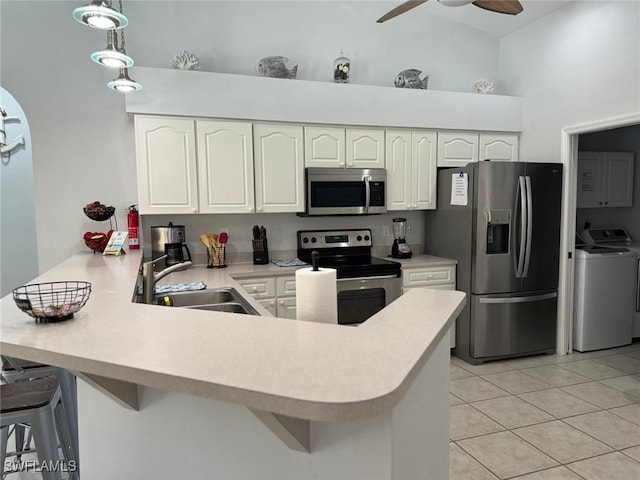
[{"x": 345, "y": 191}]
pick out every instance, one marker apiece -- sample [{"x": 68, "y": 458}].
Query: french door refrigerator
[{"x": 501, "y": 222}]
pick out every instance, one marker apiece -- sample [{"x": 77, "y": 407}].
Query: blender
[{"x": 400, "y": 247}]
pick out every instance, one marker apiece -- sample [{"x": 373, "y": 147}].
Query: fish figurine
[
  {"x": 275, "y": 67},
  {"x": 410, "y": 78}
]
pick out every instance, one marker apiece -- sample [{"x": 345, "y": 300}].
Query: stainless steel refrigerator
[{"x": 501, "y": 222}]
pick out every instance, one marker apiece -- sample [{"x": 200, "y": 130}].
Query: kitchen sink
[{"x": 217, "y": 300}]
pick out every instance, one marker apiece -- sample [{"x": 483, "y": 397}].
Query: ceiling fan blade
[
  {"x": 510, "y": 7},
  {"x": 400, "y": 9}
]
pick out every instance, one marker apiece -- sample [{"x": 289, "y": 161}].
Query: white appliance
[{"x": 618, "y": 236}]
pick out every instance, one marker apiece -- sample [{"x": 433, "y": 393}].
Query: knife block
[{"x": 260, "y": 252}]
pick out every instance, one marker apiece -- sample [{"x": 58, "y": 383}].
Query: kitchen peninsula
[{"x": 343, "y": 402}]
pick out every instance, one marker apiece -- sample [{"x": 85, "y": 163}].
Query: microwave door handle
[{"x": 367, "y": 193}]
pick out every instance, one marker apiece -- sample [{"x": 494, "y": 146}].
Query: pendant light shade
[
  {"x": 111, "y": 56},
  {"x": 123, "y": 83},
  {"x": 99, "y": 14}
]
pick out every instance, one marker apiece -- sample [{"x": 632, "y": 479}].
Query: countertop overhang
[{"x": 300, "y": 369}]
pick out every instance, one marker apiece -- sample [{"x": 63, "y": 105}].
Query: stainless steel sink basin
[
  {"x": 199, "y": 297},
  {"x": 218, "y": 300},
  {"x": 231, "y": 307}
]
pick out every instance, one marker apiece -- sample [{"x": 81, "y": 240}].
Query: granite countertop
[{"x": 300, "y": 369}]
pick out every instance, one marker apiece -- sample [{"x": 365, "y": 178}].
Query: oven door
[{"x": 360, "y": 298}]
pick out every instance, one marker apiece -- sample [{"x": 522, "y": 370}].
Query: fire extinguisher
[{"x": 132, "y": 221}]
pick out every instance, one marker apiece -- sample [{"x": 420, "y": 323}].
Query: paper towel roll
[{"x": 316, "y": 295}]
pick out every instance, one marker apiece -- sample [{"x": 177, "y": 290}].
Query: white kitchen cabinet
[
  {"x": 225, "y": 167},
  {"x": 440, "y": 277},
  {"x": 350, "y": 147},
  {"x": 166, "y": 165},
  {"x": 324, "y": 146},
  {"x": 500, "y": 147},
  {"x": 279, "y": 168},
  {"x": 605, "y": 179},
  {"x": 365, "y": 147},
  {"x": 276, "y": 294},
  {"x": 456, "y": 149},
  {"x": 410, "y": 160}
]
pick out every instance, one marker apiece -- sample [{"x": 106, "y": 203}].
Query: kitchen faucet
[{"x": 149, "y": 278}]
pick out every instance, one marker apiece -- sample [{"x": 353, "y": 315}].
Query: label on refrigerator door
[{"x": 459, "y": 189}]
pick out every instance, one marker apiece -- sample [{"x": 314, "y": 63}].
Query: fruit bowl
[
  {"x": 53, "y": 301},
  {"x": 98, "y": 211},
  {"x": 97, "y": 241}
]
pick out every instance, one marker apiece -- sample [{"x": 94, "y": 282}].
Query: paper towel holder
[{"x": 315, "y": 257}]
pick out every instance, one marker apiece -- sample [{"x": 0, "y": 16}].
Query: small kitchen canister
[{"x": 341, "y": 69}]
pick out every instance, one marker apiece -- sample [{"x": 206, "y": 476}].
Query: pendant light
[
  {"x": 123, "y": 83},
  {"x": 99, "y": 14},
  {"x": 111, "y": 56}
]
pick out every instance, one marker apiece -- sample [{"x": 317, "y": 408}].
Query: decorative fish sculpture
[
  {"x": 275, "y": 67},
  {"x": 410, "y": 78}
]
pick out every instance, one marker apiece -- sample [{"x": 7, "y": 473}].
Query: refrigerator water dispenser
[{"x": 498, "y": 231}]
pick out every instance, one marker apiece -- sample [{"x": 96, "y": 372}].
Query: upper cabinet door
[
  {"x": 365, "y": 147},
  {"x": 456, "y": 149},
  {"x": 501, "y": 147},
  {"x": 324, "y": 147},
  {"x": 166, "y": 165},
  {"x": 619, "y": 179},
  {"x": 279, "y": 162},
  {"x": 225, "y": 167},
  {"x": 398, "y": 162},
  {"x": 424, "y": 172}
]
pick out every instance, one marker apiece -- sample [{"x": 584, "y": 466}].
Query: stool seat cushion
[{"x": 27, "y": 395}]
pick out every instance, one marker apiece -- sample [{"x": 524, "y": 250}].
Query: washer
[
  {"x": 605, "y": 287},
  {"x": 618, "y": 236}
]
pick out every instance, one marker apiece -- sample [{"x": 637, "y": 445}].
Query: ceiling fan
[{"x": 509, "y": 7}]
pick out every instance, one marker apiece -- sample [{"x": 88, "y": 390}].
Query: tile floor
[{"x": 555, "y": 417}]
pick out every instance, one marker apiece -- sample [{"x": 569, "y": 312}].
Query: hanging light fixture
[
  {"x": 123, "y": 83},
  {"x": 99, "y": 14},
  {"x": 111, "y": 56}
]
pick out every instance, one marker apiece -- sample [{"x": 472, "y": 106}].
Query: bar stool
[
  {"x": 39, "y": 403},
  {"x": 15, "y": 370}
]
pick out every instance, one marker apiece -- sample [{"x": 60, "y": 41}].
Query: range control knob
[
  {"x": 313, "y": 240},
  {"x": 359, "y": 238},
  {"x": 366, "y": 237},
  {"x": 305, "y": 240}
]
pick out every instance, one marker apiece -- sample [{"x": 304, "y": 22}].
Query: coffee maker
[
  {"x": 400, "y": 249},
  {"x": 170, "y": 241}
]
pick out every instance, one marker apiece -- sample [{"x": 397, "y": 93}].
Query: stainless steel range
[{"x": 366, "y": 284}]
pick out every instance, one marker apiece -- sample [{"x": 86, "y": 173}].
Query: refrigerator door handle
[
  {"x": 531, "y": 298},
  {"x": 523, "y": 226},
  {"x": 527, "y": 252}
]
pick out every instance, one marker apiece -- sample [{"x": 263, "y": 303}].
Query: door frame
[{"x": 569, "y": 156}]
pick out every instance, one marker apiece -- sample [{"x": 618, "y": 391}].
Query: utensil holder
[
  {"x": 215, "y": 257},
  {"x": 260, "y": 252}
]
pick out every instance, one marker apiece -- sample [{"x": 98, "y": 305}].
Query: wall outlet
[{"x": 386, "y": 231}]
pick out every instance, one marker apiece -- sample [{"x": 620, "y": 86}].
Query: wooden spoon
[{"x": 205, "y": 240}]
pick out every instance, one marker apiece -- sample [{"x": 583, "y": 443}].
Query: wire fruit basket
[{"x": 53, "y": 301}]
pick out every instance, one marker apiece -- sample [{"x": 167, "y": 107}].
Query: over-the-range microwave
[{"x": 345, "y": 191}]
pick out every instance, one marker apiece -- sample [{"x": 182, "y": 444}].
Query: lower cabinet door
[
  {"x": 287, "y": 308},
  {"x": 269, "y": 304}
]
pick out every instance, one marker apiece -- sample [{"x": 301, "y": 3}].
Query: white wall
[
  {"x": 83, "y": 147},
  {"x": 578, "y": 64},
  {"x": 19, "y": 260}
]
